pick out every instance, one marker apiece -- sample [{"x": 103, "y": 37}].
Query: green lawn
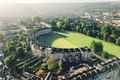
[{"x": 74, "y": 39}]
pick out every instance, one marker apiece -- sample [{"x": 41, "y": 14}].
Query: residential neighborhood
[{"x": 69, "y": 41}]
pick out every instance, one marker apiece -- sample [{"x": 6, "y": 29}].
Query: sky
[{"x": 51, "y": 1}]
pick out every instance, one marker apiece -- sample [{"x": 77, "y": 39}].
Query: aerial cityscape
[{"x": 55, "y": 40}]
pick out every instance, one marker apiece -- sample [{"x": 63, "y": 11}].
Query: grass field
[{"x": 74, "y": 39}]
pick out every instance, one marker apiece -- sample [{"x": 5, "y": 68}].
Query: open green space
[{"x": 73, "y": 40}]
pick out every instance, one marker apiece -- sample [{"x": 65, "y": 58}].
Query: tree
[
  {"x": 20, "y": 52},
  {"x": 9, "y": 47},
  {"x": 25, "y": 22},
  {"x": 1, "y": 37},
  {"x": 44, "y": 66},
  {"x": 2, "y": 41},
  {"x": 118, "y": 41},
  {"x": 52, "y": 64},
  {"x": 105, "y": 31},
  {"x": 17, "y": 45},
  {"x": 97, "y": 47},
  {"x": 53, "y": 23},
  {"x": 61, "y": 65},
  {"x": 9, "y": 59},
  {"x": 59, "y": 24},
  {"x": 77, "y": 28},
  {"x": 112, "y": 38},
  {"x": 36, "y": 19}
]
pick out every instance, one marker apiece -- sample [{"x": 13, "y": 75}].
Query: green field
[{"x": 74, "y": 39}]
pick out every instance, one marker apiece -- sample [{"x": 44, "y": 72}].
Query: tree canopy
[{"x": 97, "y": 47}]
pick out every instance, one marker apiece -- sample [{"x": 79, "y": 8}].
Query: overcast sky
[{"x": 47, "y": 1}]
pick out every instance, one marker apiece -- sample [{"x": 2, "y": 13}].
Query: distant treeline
[{"x": 92, "y": 28}]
